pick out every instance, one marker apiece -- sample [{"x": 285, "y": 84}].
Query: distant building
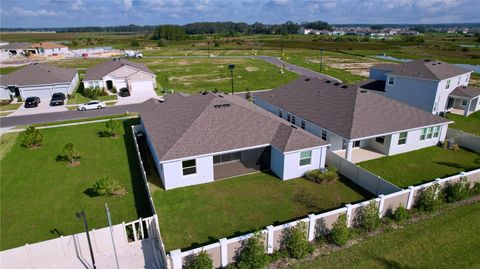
[
  {"x": 305, "y": 31},
  {"x": 49, "y": 49},
  {"x": 15, "y": 48}
]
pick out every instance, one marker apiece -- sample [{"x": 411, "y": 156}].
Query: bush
[
  {"x": 135, "y": 43},
  {"x": 19, "y": 98},
  {"x": 33, "y": 138},
  {"x": 93, "y": 93},
  {"x": 114, "y": 89},
  {"x": 296, "y": 242},
  {"x": 370, "y": 220},
  {"x": 456, "y": 191},
  {"x": 105, "y": 186},
  {"x": 340, "y": 233},
  {"x": 70, "y": 154},
  {"x": 401, "y": 214},
  {"x": 111, "y": 129},
  {"x": 427, "y": 200},
  {"x": 162, "y": 42},
  {"x": 475, "y": 189},
  {"x": 201, "y": 261},
  {"x": 253, "y": 255},
  {"x": 322, "y": 177}
]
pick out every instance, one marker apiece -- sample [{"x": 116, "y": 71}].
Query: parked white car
[{"x": 92, "y": 105}]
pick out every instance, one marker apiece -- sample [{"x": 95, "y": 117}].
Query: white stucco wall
[
  {"x": 414, "y": 142},
  {"x": 419, "y": 93},
  {"x": 287, "y": 165},
  {"x": 443, "y": 92},
  {"x": 173, "y": 174}
]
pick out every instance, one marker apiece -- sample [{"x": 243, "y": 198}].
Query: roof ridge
[{"x": 354, "y": 113}]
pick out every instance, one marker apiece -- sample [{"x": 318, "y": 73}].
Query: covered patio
[
  {"x": 464, "y": 100},
  {"x": 361, "y": 154},
  {"x": 241, "y": 162}
]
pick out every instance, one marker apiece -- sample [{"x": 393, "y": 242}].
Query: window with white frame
[
  {"x": 305, "y": 157},
  {"x": 402, "y": 139},
  {"x": 324, "y": 135},
  {"x": 293, "y": 119},
  {"x": 448, "y": 84},
  {"x": 302, "y": 124},
  {"x": 280, "y": 113},
  {"x": 391, "y": 80},
  {"x": 423, "y": 134},
  {"x": 429, "y": 132},
  {"x": 189, "y": 167},
  {"x": 464, "y": 102},
  {"x": 288, "y": 117},
  {"x": 380, "y": 139},
  {"x": 436, "y": 131}
]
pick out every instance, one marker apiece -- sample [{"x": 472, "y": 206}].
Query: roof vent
[
  {"x": 293, "y": 126},
  {"x": 344, "y": 86},
  {"x": 221, "y": 105},
  {"x": 363, "y": 91},
  {"x": 328, "y": 81},
  {"x": 307, "y": 79},
  {"x": 427, "y": 60},
  {"x": 336, "y": 83}
]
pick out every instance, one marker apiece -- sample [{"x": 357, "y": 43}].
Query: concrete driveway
[
  {"x": 136, "y": 97},
  {"x": 43, "y": 107}
]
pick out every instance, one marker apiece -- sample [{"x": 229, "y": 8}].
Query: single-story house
[
  {"x": 350, "y": 118},
  {"x": 464, "y": 100},
  {"x": 39, "y": 80},
  {"x": 15, "y": 48},
  {"x": 120, "y": 73},
  {"x": 48, "y": 49},
  {"x": 201, "y": 138}
]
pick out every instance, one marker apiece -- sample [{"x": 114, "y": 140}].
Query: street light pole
[
  {"x": 208, "y": 44},
  {"x": 81, "y": 215},
  {"x": 231, "y": 67},
  {"x": 321, "y": 59}
]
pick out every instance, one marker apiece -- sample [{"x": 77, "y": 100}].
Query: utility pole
[
  {"x": 208, "y": 44},
  {"x": 231, "y": 67},
  {"x": 109, "y": 219},
  {"x": 81, "y": 215},
  {"x": 321, "y": 59},
  {"x": 281, "y": 56}
]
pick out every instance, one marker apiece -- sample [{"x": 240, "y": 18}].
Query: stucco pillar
[
  {"x": 381, "y": 205},
  {"x": 410, "y": 197},
  {"x": 270, "y": 239},
  {"x": 176, "y": 259},
  {"x": 349, "y": 214},
  {"x": 323, "y": 155},
  {"x": 224, "y": 252},
  {"x": 348, "y": 151},
  {"x": 311, "y": 227}
]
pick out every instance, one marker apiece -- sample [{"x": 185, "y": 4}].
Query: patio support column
[
  {"x": 224, "y": 252},
  {"x": 348, "y": 151},
  {"x": 467, "y": 107},
  {"x": 176, "y": 259}
]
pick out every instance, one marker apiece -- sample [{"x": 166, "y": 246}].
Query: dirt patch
[{"x": 251, "y": 68}]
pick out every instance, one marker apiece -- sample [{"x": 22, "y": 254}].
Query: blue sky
[{"x": 57, "y": 13}]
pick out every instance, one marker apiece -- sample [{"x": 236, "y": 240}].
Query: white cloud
[
  {"x": 19, "y": 11},
  {"x": 76, "y": 5},
  {"x": 128, "y": 4}
]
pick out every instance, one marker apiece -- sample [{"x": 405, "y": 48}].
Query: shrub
[
  {"x": 105, "y": 186},
  {"x": 340, "y": 233},
  {"x": 456, "y": 191},
  {"x": 475, "y": 189},
  {"x": 401, "y": 214},
  {"x": 19, "y": 98},
  {"x": 93, "y": 93},
  {"x": 114, "y": 89},
  {"x": 111, "y": 129},
  {"x": 33, "y": 138},
  {"x": 201, "y": 261},
  {"x": 162, "y": 42},
  {"x": 135, "y": 43},
  {"x": 253, "y": 255},
  {"x": 427, "y": 200},
  {"x": 70, "y": 154},
  {"x": 370, "y": 220},
  {"x": 322, "y": 177},
  {"x": 296, "y": 242}
]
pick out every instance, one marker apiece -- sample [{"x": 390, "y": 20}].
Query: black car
[
  {"x": 58, "y": 99},
  {"x": 32, "y": 101},
  {"x": 124, "y": 92}
]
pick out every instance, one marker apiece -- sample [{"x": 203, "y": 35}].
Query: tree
[
  {"x": 318, "y": 25},
  {"x": 70, "y": 154},
  {"x": 296, "y": 242},
  {"x": 111, "y": 128},
  {"x": 370, "y": 219},
  {"x": 201, "y": 261},
  {"x": 135, "y": 43},
  {"x": 253, "y": 255},
  {"x": 33, "y": 138},
  {"x": 169, "y": 32},
  {"x": 339, "y": 234}
]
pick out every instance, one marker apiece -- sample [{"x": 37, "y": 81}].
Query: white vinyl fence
[
  {"x": 225, "y": 250},
  {"x": 466, "y": 140},
  {"x": 67, "y": 248},
  {"x": 360, "y": 176}
]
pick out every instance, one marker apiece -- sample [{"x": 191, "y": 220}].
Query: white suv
[{"x": 92, "y": 105}]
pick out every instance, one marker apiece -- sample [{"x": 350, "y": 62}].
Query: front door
[
  {"x": 450, "y": 103},
  {"x": 109, "y": 84}
]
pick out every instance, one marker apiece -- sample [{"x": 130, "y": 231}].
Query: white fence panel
[
  {"x": 15, "y": 258},
  {"x": 466, "y": 140}
]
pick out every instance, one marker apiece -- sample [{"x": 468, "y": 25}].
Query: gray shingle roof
[
  {"x": 466, "y": 91},
  {"x": 37, "y": 74},
  {"x": 426, "y": 69},
  {"x": 100, "y": 70},
  {"x": 185, "y": 126},
  {"x": 347, "y": 111},
  {"x": 16, "y": 46}
]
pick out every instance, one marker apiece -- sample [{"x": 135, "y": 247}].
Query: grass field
[
  {"x": 80, "y": 99},
  {"x": 470, "y": 124},
  {"x": 10, "y": 106},
  {"x": 446, "y": 241},
  {"x": 422, "y": 165},
  {"x": 199, "y": 214},
  {"x": 39, "y": 196}
]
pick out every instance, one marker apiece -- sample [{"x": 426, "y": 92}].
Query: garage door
[
  {"x": 43, "y": 93},
  {"x": 63, "y": 90},
  {"x": 142, "y": 86}
]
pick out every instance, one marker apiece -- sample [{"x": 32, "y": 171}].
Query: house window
[
  {"x": 380, "y": 139},
  {"x": 293, "y": 119},
  {"x": 436, "y": 131},
  {"x": 448, "y": 84},
  {"x": 391, "y": 80},
  {"x": 324, "y": 135},
  {"x": 280, "y": 113},
  {"x": 423, "y": 133},
  {"x": 435, "y": 107},
  {"x": 302, "y": 124},
  {"x": 305, "y": 157},
  {"x": 464, "y": 102},
  {"x": 402, "y": 139},
  {"x": 189, "y": 167},
  {"x": 429, "y": 132},
  {"x": 288, "y": 117}
]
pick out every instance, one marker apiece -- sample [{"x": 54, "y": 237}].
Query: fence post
[
  {"x": 224, "y": 252},
  {"x": 311, "y": 227},
  {"x": 437, "y": 181},
  {"x": 27, "y": 248},
  {"x": 410, "y": 197},
  {"x": 270, "y": 234},
  {"x": 349, "y": 214},
  {"x": 381, "y": 205},
  {"x": 125, "y": 236},
  {"x": 176, "y": 259}
]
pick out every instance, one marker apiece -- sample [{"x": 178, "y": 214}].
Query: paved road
[{"x": 73, "y": 114}]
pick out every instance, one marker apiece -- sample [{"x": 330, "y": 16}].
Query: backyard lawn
[
  {"x": 470, "y": 124},
  {"x": 416, "y": 167},
  {"x": 449, "y": 240},
  {"x": 39, "y": 196},
  {"x": 10, "y": 106},
  {"x": 196, "y": 215}
]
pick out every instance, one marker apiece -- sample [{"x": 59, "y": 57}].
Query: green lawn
[
  {"x": 422, "y": 165},
  {"x": 470, "y": 124},
  {"x": 39, "y": 196},
  {"x": 10, "y": 106},
  {"x": 199, "y": 214},
  {"x": 450, "y": 240},
  {"x": 80, "y": 99}
]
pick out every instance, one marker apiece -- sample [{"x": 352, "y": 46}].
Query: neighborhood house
[
  {"x": 434, "y": 86},
  {"x": 49, "y": 49},
  {"x": 40, "y": 80},
  {"x": 202, "y": 138},
  {"x": 120, "y": 73},
  {"x": 358, "y": 124}
]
